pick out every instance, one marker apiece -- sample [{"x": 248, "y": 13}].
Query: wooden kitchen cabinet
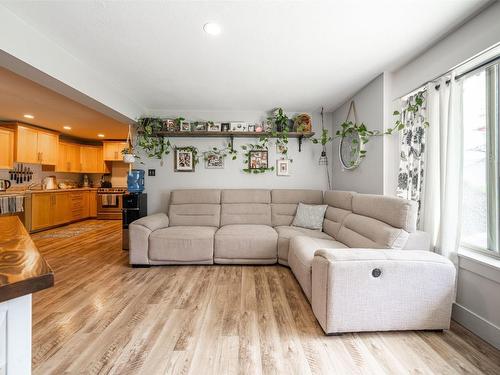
[
  {"x": 91, "y": 158},
  {"x": 6, "y": 148},
  {"x": 50, "y": 209},
  {"x": 113, "y": 150},
  {"x": 41, "y": 211},
  {"x": 35, "y": 146},
  {"x": 92, "y": 203},
  {"x": 68, "y": 158},
  {"x": 48, "y": 145}
]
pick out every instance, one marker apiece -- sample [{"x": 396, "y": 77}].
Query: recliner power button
[{"x": 376, "y": 272}]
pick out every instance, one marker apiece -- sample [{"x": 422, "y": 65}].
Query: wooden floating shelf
[{"x": 229, "y": 134}]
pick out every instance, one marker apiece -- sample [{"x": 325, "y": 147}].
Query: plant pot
[{"x": 128, "y": 158}]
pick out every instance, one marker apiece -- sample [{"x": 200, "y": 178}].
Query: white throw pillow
[{"x": 310, "y": 216}]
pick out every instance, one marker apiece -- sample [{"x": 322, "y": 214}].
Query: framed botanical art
[
  {"x": 214, "y": 160},
  {"x": 258, "y": 159},
  {"x": 283, "y": 167},
  {"x": 184, "y": 159}
]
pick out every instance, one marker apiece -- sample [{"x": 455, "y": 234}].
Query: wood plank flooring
[{"x": 104, "y": 317}]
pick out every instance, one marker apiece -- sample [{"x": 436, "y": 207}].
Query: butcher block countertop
[{"x": 23, "y": 270}]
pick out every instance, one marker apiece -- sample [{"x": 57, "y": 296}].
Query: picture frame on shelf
[
  {"x": 214, "y": 160},
  {"x": 200, "y": 126},
  {"x": 251, "y": 128},
  {"x": 183, "y": 159},
  {"x": 169, "y": 125},
  {"x": 258, "y": 159},
  {"x": 185, "y": 126},
  {"x": 239, "y": 127},
  {"x": 214, "y": 126},
  {"x": 226, "y": 127},
  {"x": 283, "y": 167}
]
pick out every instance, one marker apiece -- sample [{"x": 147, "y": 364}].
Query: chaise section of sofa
[{"x": 356, "y": 290}]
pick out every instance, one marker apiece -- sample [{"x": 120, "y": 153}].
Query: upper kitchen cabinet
[
  {"x": 33, "y": 145},
  {"x": 113, "y": 150},
  {"x": 69, "y": 158},
  {"x": 6, "y": 148},
  {"x": 91, "y": 158}
]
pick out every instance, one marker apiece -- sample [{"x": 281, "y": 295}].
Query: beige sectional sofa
[{"x": 369, "y": 269}]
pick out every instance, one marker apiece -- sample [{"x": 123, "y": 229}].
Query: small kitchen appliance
[
  {"x": 135, "y": 181},
  {"x": 4, "y": 185},
  {"x": 49, "y": 183}
]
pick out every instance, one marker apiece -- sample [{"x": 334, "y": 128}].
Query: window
[{"x": 480, "y": 218}]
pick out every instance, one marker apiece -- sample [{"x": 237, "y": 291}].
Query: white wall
[
  {"x": 369, "y": 176},
  {"x": 305, "y": 171}
]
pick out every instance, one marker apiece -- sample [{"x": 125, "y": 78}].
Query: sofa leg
[
  {"x": 140, "y": 265},
  {"x": 335, "y": 334}
]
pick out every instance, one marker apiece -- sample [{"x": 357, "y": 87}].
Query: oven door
[{"x": 109, "y": 206}]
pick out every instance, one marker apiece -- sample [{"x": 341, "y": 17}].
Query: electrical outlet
[{"x": 152, "y": 172}]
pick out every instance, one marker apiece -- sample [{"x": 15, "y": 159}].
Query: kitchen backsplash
[{"x": 118, "y": 176}]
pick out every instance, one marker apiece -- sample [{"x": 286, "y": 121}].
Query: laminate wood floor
[{"x": 104, "y": 317}]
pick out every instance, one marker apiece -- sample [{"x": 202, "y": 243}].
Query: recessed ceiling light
[
  {"x": 29, "y": 116},
  {"x": 67, "y": 127},
  {"x": 100, "y": 135},
  {"x": 212, "y": 28}
]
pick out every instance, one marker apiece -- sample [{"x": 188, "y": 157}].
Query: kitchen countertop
[
  {"x": 31, "y": 191},
  {"x": 23, "y": 270}
]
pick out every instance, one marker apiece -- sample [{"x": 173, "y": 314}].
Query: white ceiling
[{"x": 296, "y": 54}]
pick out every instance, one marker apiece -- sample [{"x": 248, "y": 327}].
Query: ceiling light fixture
[
  {"x": 100, "y": 135},
  {"x": 67, "y": 127},
  {"x": 212, "y": 28},
  {"x": 29, "y": 116}
]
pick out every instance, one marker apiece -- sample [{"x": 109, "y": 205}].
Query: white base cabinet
[{"x": 15, "y": 336}]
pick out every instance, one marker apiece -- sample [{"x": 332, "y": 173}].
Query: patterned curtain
[{"x": 411, "y": 164}]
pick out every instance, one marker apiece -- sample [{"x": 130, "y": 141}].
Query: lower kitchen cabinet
[{"x": 57, "y": 208}]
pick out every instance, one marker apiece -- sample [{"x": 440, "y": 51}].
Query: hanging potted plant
[{"x": 128, "y": 152}]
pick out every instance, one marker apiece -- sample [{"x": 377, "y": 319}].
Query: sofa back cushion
[
  {"x": 284, "y": 203},
  {"x": 195, "y": 207},
  {"x": 339, "y": 206},
  {"x": 246, "y": 206},
  {"x": 397, "y": 212},
  {"x": 359, "y": 231}
]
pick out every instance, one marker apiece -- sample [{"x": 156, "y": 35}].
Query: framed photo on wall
[
  {"x": 258, "y": 159},
  {"x": 214, "y": 160},
  {"x": 183, "y": 159},
  {"x": 283, "y": 167}
]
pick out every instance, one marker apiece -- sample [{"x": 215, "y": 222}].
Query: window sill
[{"x": 484, "y": 259}]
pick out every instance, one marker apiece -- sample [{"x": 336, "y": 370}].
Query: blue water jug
[{"x": 135, "y": 181}]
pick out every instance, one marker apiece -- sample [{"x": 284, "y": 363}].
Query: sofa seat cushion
[
  {"x": 301, "y": 255},
  {"x": 285, "y": 233},
  {"x": 182, "y": 244},
  {"x": 246, "y": 244}
]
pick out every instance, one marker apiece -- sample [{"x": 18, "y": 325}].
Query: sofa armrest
[
  {"x": 153, "y": 222},
  {"x": 355, "y": 290},
  {"x": 139, "y": 231}
]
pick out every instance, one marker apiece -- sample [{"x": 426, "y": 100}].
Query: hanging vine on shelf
[{"x": 148, "y": 139}]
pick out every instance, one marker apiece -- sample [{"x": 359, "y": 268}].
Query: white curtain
[{"x": 442, "y": 191}]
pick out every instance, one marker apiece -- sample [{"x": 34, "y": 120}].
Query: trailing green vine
[{"x": 148, "y": 139}]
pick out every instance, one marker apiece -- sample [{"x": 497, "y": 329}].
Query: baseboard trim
[{"x": 473, "y": 322}]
